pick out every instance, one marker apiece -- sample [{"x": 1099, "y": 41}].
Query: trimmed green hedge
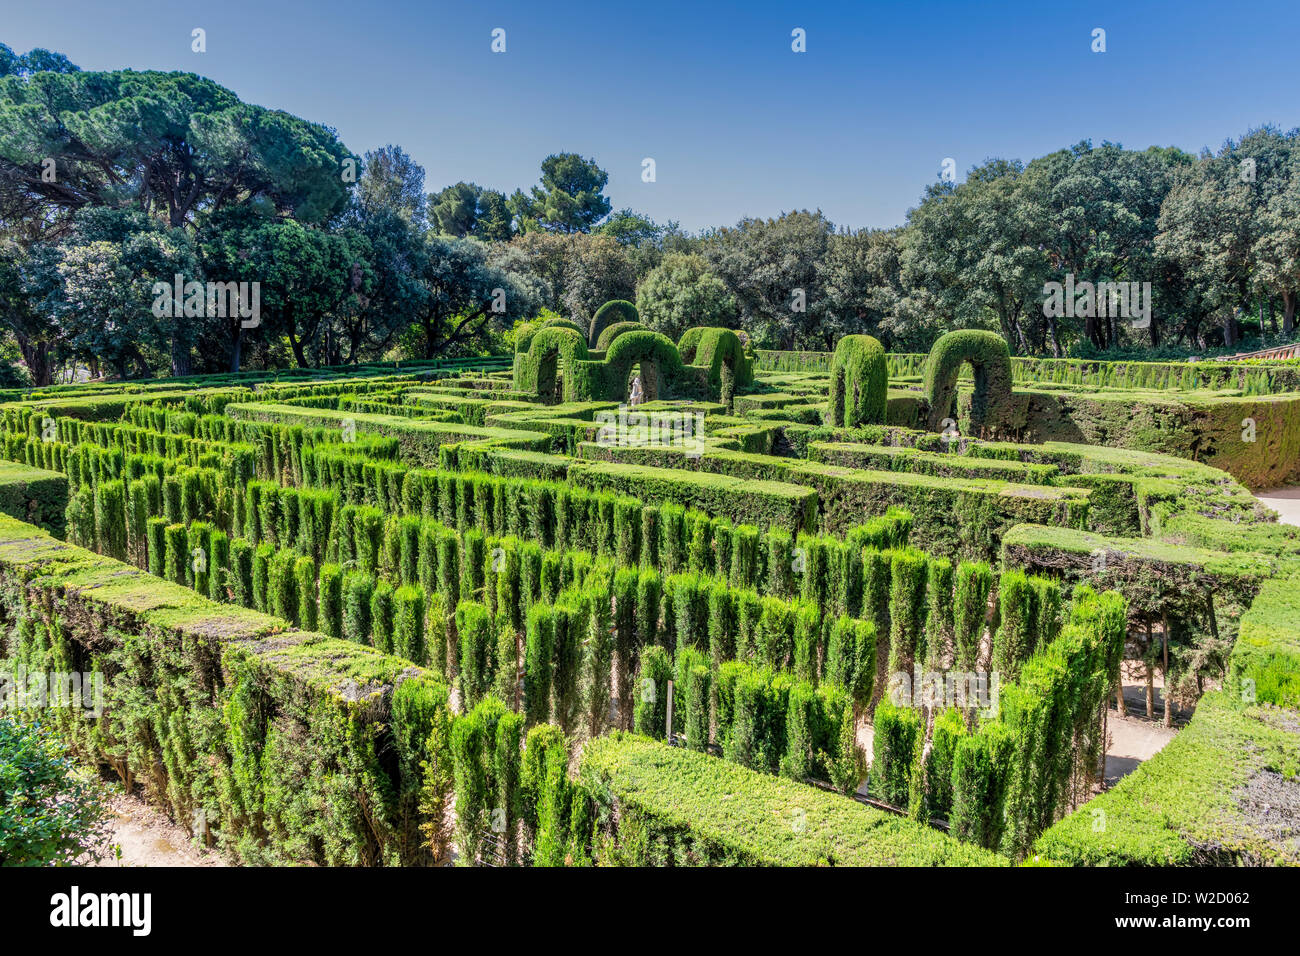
[
  {"x": 859, "y": 383},
  {"x": 294, "y": 747},
  {"x": 989, "y": 357},
  {"x": 35, "y": 496},
  {"x": 679, "y": 807}
]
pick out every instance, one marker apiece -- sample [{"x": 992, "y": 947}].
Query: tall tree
[{"x": 570, "y": 198}]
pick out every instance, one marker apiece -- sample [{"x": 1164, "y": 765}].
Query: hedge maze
[{"x": 403, "y": 615}]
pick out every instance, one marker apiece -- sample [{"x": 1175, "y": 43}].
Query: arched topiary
[
  {"x": 524, "y": 334},
  {"x": 611, "y": 332},
  {"x": 551, "y": 349},
  {"x": 990, "y": 359},
  {"x": 721, "y": 352},
  {"x": 859, "y": 382},
  {"x": 615, "y": 310}
]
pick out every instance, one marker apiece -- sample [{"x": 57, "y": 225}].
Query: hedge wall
[
  {"x": 660, "y": 805},
  {"x": 279, "y": 739}
]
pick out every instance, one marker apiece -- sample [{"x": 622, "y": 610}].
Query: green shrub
[{"x": 896, "y": 738}]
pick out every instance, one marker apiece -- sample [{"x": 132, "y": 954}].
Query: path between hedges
[
  {"x": 1285, "y": 501},
  {"x": 148, "y": 838}
]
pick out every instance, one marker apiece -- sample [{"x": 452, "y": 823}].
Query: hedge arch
[
  {"x": 550, "y": 350},
  {"x": 660, "y": 364},
  {"x": 859, "y": 382},
  {"x": 524, "y": 334},
  {"x": 720, "y": 352},
  {"x": 990, "y": 360},
  {"x": 615, "y": 310},
  {"x": 611, "y": 332}
]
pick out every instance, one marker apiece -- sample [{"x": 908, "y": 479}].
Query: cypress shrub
[
  {"x": 895, "y": 739},
  {"x": 744, "y": 556},
  {"x": 506, "y": 770},
  {"x": 156, "y": 530},
  {"x": 1014, "y": 640},
  {"x": 780, "y": 562},
  {"x": 241, "y": 573},
  {"x": 509, "y": 597},
  {"x": 649, "y": 536},
  {"x": 698, "y": 691},
  {"x": 304, "y": 577},
  {"x": 939, "y": 622},
  {"x": 851, "y": 658},
  {"x": 282, "y": 586},
  {"x": 974, "y": 579},
  {"x": 468, "y": 745},
  {"x": 649, "y": 597},
  {"x": 505, "y": 683},
  {"x": 744, "y": 743},
  {"x": 330, "y": 605},
  {"x": 448, "y": 566},
  {"x": 728, "y": 674},
  {"x": 807, "y": 641},
  {"x": 552, "y": 576},
  {"x": 775, "y": 635},
  {"x": 262, "y": 576},
  {"x": 566, "y": 669},
  {"x": 472, "y": 557},
  {"x": 199, "y": 555},
  {"x": 597, "y": 662},
  {"x": 699, "y": 541},
  {"x": 651, "y": 713},
  {"x": 672, "y": 538},
  {"x": 980, "y": 770},
  {"x": 427, "y": 569},
  {"x": 218, "y": 565},
  {"x": 626, "y": 639},
  {"x": 686, "y": 660},
  {"x": 137, "y": 522},
  {"x": 381, "y": 616},
  {"x": 530, "y": 572},
  {"x": 175, "y": 553},
  {"x": 907, "y": 608},
  {"x": 540, "y": 741},
  {"x": 845, "y": 760},
  {"x": 949, "y": 729},
  {"x": 801, "y": 724},
  {"x": 554, "y": 810},
  {"x": 539, "y": 643},
  {"x": 474, "y": 628},
  {"x": 627, "y": 531},
  {"x": 358, "y": 589},
  {"x": 749, "y": 611},
  {"x": 110, "y": 519},
  {"x": 408, "y": 623},
  {"x": 690, "y": 597},
  {"x": 722, "y": 623}
]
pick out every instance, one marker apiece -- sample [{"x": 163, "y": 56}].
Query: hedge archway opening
[{"x": 990, "y": 361}]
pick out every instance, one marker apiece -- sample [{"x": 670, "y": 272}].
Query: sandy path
[
  {"x": 148, "y": 838},
  {"x": 1285, "y": 501}
]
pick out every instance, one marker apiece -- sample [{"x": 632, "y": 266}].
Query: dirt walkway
[
  {"x": 148, "y": 838},
  {"x": 1285, "y": 501}
]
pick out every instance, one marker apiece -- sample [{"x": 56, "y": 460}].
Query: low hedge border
[{"x": 672, "y": 805}]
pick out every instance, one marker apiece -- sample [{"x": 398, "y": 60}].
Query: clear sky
[{"x": 738, "y": 124}]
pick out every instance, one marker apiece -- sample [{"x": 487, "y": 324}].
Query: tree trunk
[
  {"x": 236, "y": 353},
  {"x": 1151, "y": 678},
  {"x": 1288, "y": 313},
  {"x": 1169, "y": 704}
]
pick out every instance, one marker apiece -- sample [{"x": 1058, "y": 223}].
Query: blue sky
[{"x": 738, "y": 124}]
